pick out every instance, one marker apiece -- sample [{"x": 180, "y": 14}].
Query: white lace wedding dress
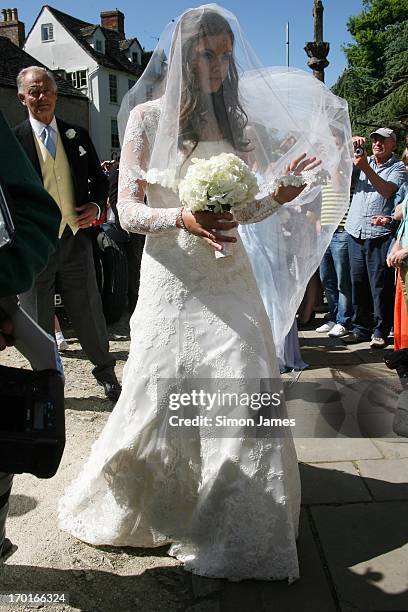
[{"x": 230, "y": 506}]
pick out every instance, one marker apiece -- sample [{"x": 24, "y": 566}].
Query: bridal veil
[{"x": 285, "y": 113}]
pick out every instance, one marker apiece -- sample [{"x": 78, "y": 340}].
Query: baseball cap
[{"x": 385, "y": 132}]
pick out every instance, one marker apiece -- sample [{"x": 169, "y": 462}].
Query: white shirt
[{"x": 38, "y": 128}]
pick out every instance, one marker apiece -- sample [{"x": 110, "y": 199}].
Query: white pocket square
[{"x": 81, "y": 150}]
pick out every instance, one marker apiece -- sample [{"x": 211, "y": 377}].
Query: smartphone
[{"x": 6, "y": 222}]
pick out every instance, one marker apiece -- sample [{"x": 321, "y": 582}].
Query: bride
[{"x": 227, "y": 502}]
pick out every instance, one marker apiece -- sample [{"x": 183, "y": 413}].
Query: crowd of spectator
[{"x": 364, "y": 270}]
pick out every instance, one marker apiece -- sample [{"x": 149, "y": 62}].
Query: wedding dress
[{"x": 229, "y": 506}]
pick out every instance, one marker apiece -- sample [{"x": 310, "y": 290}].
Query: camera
[
  {"x": 359, "y": 151},
  {"x": 32, "y": 423},
  {"x": 32, "y": 419}
]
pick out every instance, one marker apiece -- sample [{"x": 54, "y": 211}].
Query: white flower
[
  {"x": 71, "y": 133},
  {"x": 221, "y": 183}
]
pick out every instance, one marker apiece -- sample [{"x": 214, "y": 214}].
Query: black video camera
[
  {"x": 32, "y": 424},
  {"x": 32, "y": 419}
]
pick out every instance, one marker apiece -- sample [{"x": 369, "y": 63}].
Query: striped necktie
[{"x": 48, "y": 140}]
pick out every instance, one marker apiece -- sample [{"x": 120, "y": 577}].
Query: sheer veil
[{"x": 270, "y": 116}]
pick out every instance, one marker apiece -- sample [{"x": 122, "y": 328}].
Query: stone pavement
[{"x": 353, "y": 542}]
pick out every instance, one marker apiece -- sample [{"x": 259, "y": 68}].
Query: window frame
[
  {"x": 78, "y": 79},
  {"x": 49, "y": 28},
  {"x": 114, "y": 131},
  {"x": 113, "y": 88}
]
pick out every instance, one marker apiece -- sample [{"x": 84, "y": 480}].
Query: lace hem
[
  {"x": 154, "y": 176},
  {"x": 308, "y": 178},
  {"x": 256, "y": 211}
]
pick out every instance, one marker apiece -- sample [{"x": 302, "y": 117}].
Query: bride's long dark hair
[{"x": 230, "y": 116}]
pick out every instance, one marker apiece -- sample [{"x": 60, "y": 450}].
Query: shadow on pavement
[
  {"x": 155, "y": 590},
  {"x": 21, "y": 504},
  {"x": 89, "y": 404},
  {"x": 79, "y": 354}
]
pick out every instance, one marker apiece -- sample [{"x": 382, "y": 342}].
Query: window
[
  {"x": 98, "y": 46},
  {"x": 77, "y": 79},
  {"x": 131, "y": 82},
  {"x": 135, "y": 57},
  {"x": 114, "y": 134},
  {"x": 47, "y": 32},
  {"x": 113, "y": 88}
]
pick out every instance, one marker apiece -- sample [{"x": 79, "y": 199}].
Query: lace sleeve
[
  {"x": 134, "y": 215},
  {"x": 257, "y": 210}
]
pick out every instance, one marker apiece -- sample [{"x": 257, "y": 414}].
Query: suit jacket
[
  {"x": 89, "y": 180},
  {"x": 35, "y": 215}
]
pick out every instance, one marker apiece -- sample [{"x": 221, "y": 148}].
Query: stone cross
[{"x": 318, "y": 50}]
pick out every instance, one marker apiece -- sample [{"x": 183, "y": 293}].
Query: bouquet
[{"x": 223, "y": 183}]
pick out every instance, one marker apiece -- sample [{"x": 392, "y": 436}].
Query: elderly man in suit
[{"x": 68, "y": 165}]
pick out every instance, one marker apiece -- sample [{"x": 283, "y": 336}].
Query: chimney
[
  {"x": 114, "y": 20},
  {"x": 11, "y": 27}
]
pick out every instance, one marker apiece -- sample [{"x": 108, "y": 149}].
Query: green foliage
[
  {"x": 394, "y": 105},
  {"x": 369, "y": 29},
  {"x": 375, "y": 82}
]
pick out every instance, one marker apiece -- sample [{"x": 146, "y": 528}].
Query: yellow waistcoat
[{"x": 57, "y": 181}]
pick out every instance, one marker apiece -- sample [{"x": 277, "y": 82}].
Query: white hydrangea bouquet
[{"x": 222, "y": 183}]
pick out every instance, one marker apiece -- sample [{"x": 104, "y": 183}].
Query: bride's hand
[
  {"x": 209, "y": 226},
  {"x": 287, "y": 193}
]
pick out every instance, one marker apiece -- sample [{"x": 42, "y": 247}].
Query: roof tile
[
  {"x": 115, "y": 45},
  {"x": 14, "y": 59}
]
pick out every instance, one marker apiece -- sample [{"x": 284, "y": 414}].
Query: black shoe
[
  {"x": 112, "y": 390},
  {"x": 306, "y": 324},
  {"x": 7, "y": 546},
  {"x": 396, "y": 359},
  {"x": 354, "y": 338}
]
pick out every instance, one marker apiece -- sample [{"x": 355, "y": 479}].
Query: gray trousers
[
  {"x": 72, "y": 267},
  {"x": 6, "y": 480}
]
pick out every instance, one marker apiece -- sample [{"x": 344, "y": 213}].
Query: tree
[
  {"x": 375, "y": 82},
  {"x": 370, "y": 29}
]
